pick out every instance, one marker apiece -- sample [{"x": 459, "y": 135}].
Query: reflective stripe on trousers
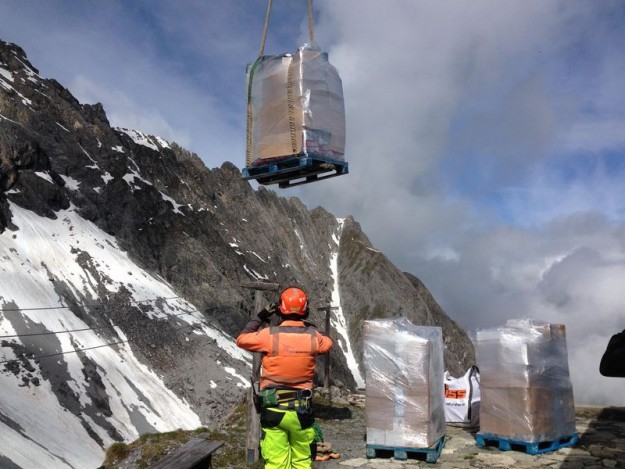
[{"x": 288, "y": 440}]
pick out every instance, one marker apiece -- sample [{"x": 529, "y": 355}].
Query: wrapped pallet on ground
[
  {"x": 404, "y": 383},
  {"x": 526, "y": 391}
]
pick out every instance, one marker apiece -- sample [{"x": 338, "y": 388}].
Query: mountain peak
[
  {"x": 123, "y": 279},
  {"x": 13, "y": 58}
]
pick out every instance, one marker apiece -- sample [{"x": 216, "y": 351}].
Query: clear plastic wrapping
[
  {"x": 404, "y": 383},
  {"x": 526, "y": 391},
  {"x": 295, "y": 107}
]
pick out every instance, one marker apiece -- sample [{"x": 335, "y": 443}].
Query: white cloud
[
  {"x": 568, "y": 272},
  {"x": 595, "y": 135},
  {"x": 484, "y": 138}
]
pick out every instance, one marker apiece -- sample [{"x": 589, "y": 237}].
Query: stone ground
[{"x": 601, "y": 445}]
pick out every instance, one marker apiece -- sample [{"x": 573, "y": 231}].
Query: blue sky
[{"x": 485, "y": 138}]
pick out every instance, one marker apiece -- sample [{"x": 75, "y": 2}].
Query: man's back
[{"x": 613, "y": 360}]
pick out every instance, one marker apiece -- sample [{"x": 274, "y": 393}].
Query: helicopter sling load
[{"x": 295, "y": 116}]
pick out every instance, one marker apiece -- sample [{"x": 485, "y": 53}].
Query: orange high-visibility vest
[{"x": 289, "y": 353}]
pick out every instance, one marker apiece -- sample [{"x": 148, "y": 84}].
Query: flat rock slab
[{"x": 601, "y": 444}]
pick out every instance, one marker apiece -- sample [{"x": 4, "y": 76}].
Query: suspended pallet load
[{"x": 295, "y": 116}]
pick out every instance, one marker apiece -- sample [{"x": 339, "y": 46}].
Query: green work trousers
[{"x": 288, "y": 440}]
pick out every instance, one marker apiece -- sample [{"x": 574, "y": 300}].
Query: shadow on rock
[
  {"x": 329, "y": 412},
  {"x": 601, "y": 440}
]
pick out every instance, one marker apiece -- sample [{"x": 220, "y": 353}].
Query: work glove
[{"x": 268, "y": 311}]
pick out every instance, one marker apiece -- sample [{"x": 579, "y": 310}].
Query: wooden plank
[
  {"x": 326, "y": 364},
  {"x": 261, "y": 286},
  {"x": 195, "y": 453}
]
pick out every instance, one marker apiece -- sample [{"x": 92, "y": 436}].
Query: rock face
[{"x": 201, "y": 232}]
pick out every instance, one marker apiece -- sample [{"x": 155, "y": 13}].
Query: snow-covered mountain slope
[{"x": 55, "y": 275}]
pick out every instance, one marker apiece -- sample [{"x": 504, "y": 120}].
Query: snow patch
[
  {"x": 134, "y": 175},
  {"x": 252, "y": 273},
  {"x": 244, "y": 383},
  {"x": 338, "y": 320},
  {"x": 4, "y": 82},
  {"x": 44, "y": 176},
  {"x": 141, "y": 139},
  {"x": 6, "y": 75},
  {"x": 64, "y": 128}
]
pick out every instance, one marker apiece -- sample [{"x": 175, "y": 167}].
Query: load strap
[{"x": 311, "y": 33}]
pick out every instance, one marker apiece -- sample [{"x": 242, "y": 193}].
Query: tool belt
[{"x": 286, "y": 399}]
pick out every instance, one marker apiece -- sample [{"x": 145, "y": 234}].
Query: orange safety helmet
[{"x": 293, "y": 301}]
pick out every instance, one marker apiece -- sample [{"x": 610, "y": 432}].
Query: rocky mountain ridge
[{"x": 142, "y": 246}]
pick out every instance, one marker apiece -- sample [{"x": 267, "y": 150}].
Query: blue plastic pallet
[
  {"x": 429, "y": 455},
  {"x": 295, "y": 170},
  {"x": 539, "y": 447}
]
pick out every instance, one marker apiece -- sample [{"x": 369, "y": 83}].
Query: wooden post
[
  {"x": 253, "y": 419},
  {"x": 326, "y": 364}
]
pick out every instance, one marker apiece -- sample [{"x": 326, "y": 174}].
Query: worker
[{"x": 286, "y": 380}]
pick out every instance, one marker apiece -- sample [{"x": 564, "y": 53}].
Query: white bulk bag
[{"x": 462, "y": 399}]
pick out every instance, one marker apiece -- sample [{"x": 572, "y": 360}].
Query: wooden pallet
[
  {"x": 429, "y": 455},
  {"x": 295, "y": 170},
  {"x": 539, "y": 447}
]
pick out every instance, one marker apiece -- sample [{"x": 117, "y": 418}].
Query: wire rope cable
[
  {"x": 89, "y": 328},
  {"x": 261, "y": 51},
  {"x": 23, "y": 355},
  {"x": 310, "y": 23},
  {"x": 9, "y": 310},
  {"x": 62, "y": 353}
]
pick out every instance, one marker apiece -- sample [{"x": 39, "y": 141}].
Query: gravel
[{"x": 601, "y": 443}]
